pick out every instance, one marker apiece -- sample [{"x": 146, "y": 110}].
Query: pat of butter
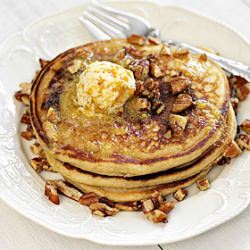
[{"x": 104, "y": 87}]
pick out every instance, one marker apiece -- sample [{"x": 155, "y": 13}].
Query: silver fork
[{"x": 105, "y": 23}]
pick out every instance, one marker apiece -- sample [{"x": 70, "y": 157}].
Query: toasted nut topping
[
  {"x": 180, "y": 194},
  {"x": 235, "y": 103},
  {"x": 136, "y": 39},
  {"x": 245, "y": 126},
  {"x": 103, "y": 209},
  {"x": 224, "y": 160},
  {"x": 147, "y": 206},
  {"x": 242, "y": 91},
  {"x": 43, "y": 62},
  {"x": 140, "y": 68},
  {"x": 37, "y": 163},
  {"x": 106, "y": 201},
  {"x": 157, "y": 199},
  {"x": 124, "y": 207},
  {"x": 52, "y": 115},
  {"x": 120, "y": 55},
  {"x": 142, "y": 104},
  {"x": 51, "y": 131},
  {"x": 153, "y": 40},
  {"x": 25, "y": 88},
  {"x": 27, "y": 135},
  {"x": 243, "y": 141},
  {"x": 167, "y": 206},
  {"x": 177, "y": 123},
  {"x": 68, "y": 191},
  {"x": 26, "y": 119},
  {"x": 232, "y": 150},
  {"x": 203, "y": 184},
  {"x": 165, "y": 51},
  {"x": 36, "y": 148},
  {"x": 182, "y": 102},
  {"x": 155, "y": 70},
  {"x": 25, "y": 99},
  {"x": 157, "y": 216},
  {"x": 181, "y": 52},
  {"x": 178, "y": 84},
  {"x": 77, "y": 63},
  {"x": 203, "y": 57},
  {"x": 88, "y": 199},
  {"x": 51, "y": 192}
]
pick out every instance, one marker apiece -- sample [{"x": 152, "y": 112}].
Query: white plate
[{"x": 22, "y": 189}]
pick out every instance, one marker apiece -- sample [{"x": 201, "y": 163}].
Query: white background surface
[{"x": 19, "y": 233}]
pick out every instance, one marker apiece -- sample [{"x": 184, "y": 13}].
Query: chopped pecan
[
  {"x": 153, "y": 41},
  {"x": 43, "y": 62},
  {"x": 243, "y": 141},
  {"x": 232, "y": 150},
  {"x": 124, "y": 207},
  {"x": 181, "y": 52},
  {"x": 88, "y": 199},
  {"x": 77, "y": 63},
  {"x": 26, "y": 118},
  {"x": 52, "y": 115},
  {"x": 27, "y": 135},
  {"x": 167, "y": 206},
  {"x": 155, "y": 70},
  {"x": 242, "y": 91},
  {"x": 36, "y": 148},
  {"x": 180, "y": 194},
  {"x": 224, "y": 160},
  {"x": 165, "y": 50},
  {"x": 203, "y": 184},
  {"x": 182, "y": 102},
  {"x": 140, "y": 68},
  {"x": 142, "y": 104},
  {"x": 179, "y": 84},
  {"x": 68, "y": 191},
  {"x": 245, "y": 126},
  {"x": 25, "y": 88},
  {"x": 120, "y": 55},
  {"x": 103, "y": 209},
  {"x": 157, "y": 199},
  {"x": 235, "y": 103},
  {"x": 136, "y": 39},
  {"x": 177, "y": 123},
  {"x": 157, "y": 216},
  {"x": 51, "y": 192},
  {"x": 107, "y": 201},
  {"x": 37, "y": 164},
  {"x": 147, "y": 206},
  {"x": 203, "y": 57}
]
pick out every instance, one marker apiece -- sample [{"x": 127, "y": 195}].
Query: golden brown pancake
[{"x": 127, "y": 144}]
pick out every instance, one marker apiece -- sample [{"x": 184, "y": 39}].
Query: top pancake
[{"x": 124, "y": 145}]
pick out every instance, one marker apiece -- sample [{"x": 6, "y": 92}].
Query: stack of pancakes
[{"x": 126, "y": 156}]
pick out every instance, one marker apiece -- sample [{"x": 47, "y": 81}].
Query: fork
[{"x": 105, "y": 23}]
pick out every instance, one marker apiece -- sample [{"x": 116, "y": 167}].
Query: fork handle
[{"x": 234, "y": 67}]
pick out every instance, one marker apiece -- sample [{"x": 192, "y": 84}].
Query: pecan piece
[
  {"x": 203, "y": 184},
  {"x": 106, "y": 201},
  {"x": 26, "y": 119},
  {"x": 180, "y": 194},
  {"x": 68, "y": 191},
  {"x": 232, "y": 150},
  {"x": 27, "y": 135},
  {"x": 103, "y": 209},
  {"x": 155, "y": 70},
  {"x": 165, "y": 50},
  {"x": 147, "y": 206},
  {"x": 51, "y": 192},
  {"x": 177, "y": 123},
  {"x": 153, "y": 40},
  {"x": 37, "y": 164},
  {"x": 36, "y": 148},
  {"x": 243, "y": 141},
  {"x": 179, "y": 84},
  {"x": 235, "y": 103},
  {"x": 157, "y": 216},
  {"x": 182, "y": 102},
  {"x": 242, "y": 91},
  {"x": 88, "y": 199},
  {"x": 245, "y": 126},
  {"x": 203, "y": 57},
  {"x": 167, "y": 206},
  {"x": 136, "y": 39}
]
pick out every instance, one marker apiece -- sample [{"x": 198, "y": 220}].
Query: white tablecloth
[{"x": 16, "y": 232}]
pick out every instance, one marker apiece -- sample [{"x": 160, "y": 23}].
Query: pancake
[
  {"x": 99, "y": 145},
  {"x": 76, "y": 175},
  {"x": 136, "y": 194}
]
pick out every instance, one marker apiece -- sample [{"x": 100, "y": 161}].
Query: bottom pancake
[{"x": 128, "y": 195}]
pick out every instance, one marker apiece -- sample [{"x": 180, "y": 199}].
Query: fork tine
[
  {"x": 110, "y": 19},
  {"x": 103, "y": 26},
  {"x": 116, "y": 13},
  {"x": 95, "y": 31}
]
